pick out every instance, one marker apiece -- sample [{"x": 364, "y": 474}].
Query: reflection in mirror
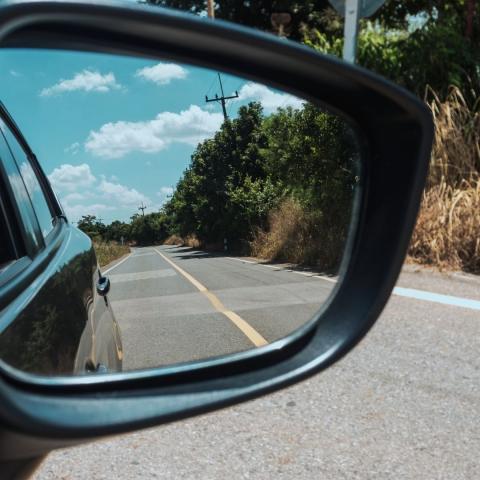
[{"x": 219, "y": 209}]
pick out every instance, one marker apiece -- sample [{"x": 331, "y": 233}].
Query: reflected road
[{"x": 175, "y": 304}]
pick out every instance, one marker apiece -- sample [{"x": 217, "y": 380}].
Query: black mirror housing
[{"x": 38, "y": 414}]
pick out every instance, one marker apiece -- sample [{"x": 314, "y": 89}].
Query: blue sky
[{"x": 112, "y": 132}]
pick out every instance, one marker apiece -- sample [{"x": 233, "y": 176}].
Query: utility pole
[
  {"x": 142, "y": 207},
  {"x": 350, "y": 32},
  {"x": 222, "y": 98},
  {"x": 210, "y": 9}
]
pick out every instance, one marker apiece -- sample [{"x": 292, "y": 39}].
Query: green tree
[
  {"x": 90, "y": 225},
  {"x": 259, "y": 13}
]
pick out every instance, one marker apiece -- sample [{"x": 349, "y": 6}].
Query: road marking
[
  {"x": 437, "y": 298},
  {"x": 143, "y": 254},
  {"x": 117, "y": 264},
  {"x": 241, "y": 260},
  {"x": 238, "y": 321},
  {"x": 279, "y": 268},
  {"x": 147, "y": 275}
]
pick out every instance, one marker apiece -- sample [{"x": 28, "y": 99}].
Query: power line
[
  {"x": 222, "y": 99},
  {"x": 211, "y": 85}
]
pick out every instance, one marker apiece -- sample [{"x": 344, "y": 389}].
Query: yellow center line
[{"x": 238, "y": 321}]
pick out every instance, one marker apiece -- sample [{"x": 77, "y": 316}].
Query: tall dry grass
[
  {"x": 109, "y": 251},
  {"x": 447, "y": 234},
  {"x": 173, "y": 240},
  {"x": 188, "y": 241},
  {"x": 295, "y": 235}
]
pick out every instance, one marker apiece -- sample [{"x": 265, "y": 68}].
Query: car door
[{"x": 53, "y": 319}]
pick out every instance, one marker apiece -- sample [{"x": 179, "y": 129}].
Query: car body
[{"x": 62, "y": 322}]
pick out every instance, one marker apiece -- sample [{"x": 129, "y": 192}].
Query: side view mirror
[
  {"x": 103, "y": 286},
  {"x": 39, "y": 411}
]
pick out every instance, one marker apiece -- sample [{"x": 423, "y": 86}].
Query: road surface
[
  {"x": 404, "y": 404},
  {"x": 176, "y": 304}
]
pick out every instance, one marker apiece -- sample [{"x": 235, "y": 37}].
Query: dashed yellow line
[{"x": 238, "y": 321}]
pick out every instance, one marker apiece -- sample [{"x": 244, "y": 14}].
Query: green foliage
[
  {"x": 91, "y": 226},
  {"x": 258, "y": 13},
  {"x": 436, "y": 54},
  {"x": 237, "y": 178},
  {"x": 415, "y": 43},
  {"x": 226, "y": 172},
  {"x": 148, "y": 229},
  {"x": 116, "y": 231}
]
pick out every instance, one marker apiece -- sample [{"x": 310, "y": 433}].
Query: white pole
[{"x": 350, "y": 32}]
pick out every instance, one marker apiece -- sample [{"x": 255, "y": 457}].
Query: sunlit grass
[
  {"x": 447, "y": 234},
  {"x": 109, "y": 251}
]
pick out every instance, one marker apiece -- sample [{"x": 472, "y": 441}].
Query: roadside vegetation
[
  {"x": 447, "y": 234},
  {"x": 109, "y": 251}
]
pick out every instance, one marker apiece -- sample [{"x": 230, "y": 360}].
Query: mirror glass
[{"x": 219, "y": 209}]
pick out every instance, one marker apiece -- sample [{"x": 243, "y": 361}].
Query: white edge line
[
  {"x": 276, "y": 267},
  {"x": 117, "y": 264},
  {"x": 437, "y": 298}
]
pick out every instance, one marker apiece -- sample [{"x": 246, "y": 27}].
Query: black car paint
[{"x": 53, "y": 321}]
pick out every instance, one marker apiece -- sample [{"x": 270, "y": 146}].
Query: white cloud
[
  {"x": 73, "y": 148},
  {"x": 115, "y": 140},
  {"x": 87, "y": 81},
  {"x": 74, "y": 197},
  {"x": 118, "y": 194},
  {"x": 269, "y": 99},
  {"x": 76, "y": 211},
  {"x": 70, "y": 177},
  {"x": 164, "y": 194},
  {"x": 165, "y": 191},
  {"x": 14, "y": 73},
  {"x": 162, "y": 73},
  {"x": 82, "y": 193}
]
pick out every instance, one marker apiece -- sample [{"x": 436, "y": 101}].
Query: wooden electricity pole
[
  {"x": 210, "y": 9},
  {"x": 221, "y": 99},
  {"x": 142, "y": 207}
]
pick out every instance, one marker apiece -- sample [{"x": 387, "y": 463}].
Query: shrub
[
  {"x": 447, "y": 233},
  {"x": 297, "y": 235},
  {"x": 174, "y": 240}
]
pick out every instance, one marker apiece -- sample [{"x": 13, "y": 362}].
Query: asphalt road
[
  {"x": 405, "y": 404},
  {"x": 176, "y": 304}
]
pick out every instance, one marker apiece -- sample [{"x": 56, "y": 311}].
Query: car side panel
[{"x": 45, "y": 335}]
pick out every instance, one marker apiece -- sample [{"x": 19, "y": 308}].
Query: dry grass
[
  {"x": 456, "y": 150},
  {"x": 300, "y": 237},
  {"x": 447, "y": 233},
  {"x": 285, "y": 237},
  {"x": 192, "y": 241},
  {"x": 109, "y": 251},
  {"x": 173, "y": 240},
  {"x": 189, "y": 241}
]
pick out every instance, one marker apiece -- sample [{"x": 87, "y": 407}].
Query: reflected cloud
[
  {"x": 162, "y": 73},
  {"x": 86, "y": 80},
  {"x": 117, "y": 139}
]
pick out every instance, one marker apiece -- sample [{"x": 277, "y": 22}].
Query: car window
[
  {"x": 15, "y": 192},
  {"x": 40, "y": 205}
]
